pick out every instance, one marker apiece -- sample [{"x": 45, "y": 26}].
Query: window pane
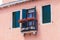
[
  {"x": 30, "y": 23},
  {"x": 30, "y": 15}
]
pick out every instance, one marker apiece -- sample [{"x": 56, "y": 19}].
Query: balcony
[
  {"x": 26, "y": 29},
  {"x": 28, "y": 21}
]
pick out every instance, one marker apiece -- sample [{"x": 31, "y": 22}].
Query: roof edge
[{"x": 12, "y": 3}]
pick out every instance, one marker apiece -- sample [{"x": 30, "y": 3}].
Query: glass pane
[
  {"x": 30, "y": 15},
  {"x": 30, "y": 23}
]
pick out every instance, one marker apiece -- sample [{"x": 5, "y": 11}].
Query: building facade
[{"x": 46, "y": 13}]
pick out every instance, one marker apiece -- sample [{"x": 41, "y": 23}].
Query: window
[
  {"x": 16, "y": 17},
  {"x": 28, "y": 13},
  {"x": 28, "y": 20},
  {"x": 46, "y": 14}
]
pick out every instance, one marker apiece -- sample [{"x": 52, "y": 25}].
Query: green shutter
[
  {"x": 46, "y": 14},
  {"x": 24, "y": 12},
  {"x": 16, "y": 17}
]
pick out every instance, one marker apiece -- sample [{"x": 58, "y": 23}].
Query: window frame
[
  {"x": 42, "y": 17},
  {"x": 12, "y": 20}
]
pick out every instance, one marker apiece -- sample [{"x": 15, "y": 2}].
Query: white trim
[
  {"x": 41, "y": 17},
  {"x": 29, "y": 31},
  {"x": 12, "y": 3},
  {"x": 20, "y": 18}
]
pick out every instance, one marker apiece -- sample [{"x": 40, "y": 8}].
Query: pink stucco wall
[
  {"x": 6, "y": 1},
  {"x": 45, "y": 31}
]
